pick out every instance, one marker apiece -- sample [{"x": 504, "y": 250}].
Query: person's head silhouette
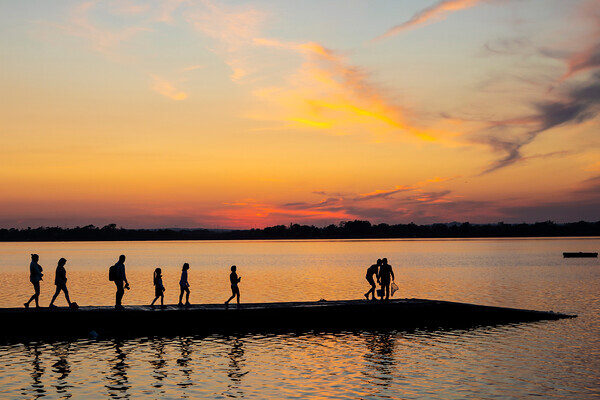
[
  {"x": 122, "y": 258},
  {"x": 233, "y": 268},
  {"x": 62, "y": 261},
  {"x": 35, "y": 257}
]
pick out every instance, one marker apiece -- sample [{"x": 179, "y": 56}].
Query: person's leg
[
  {"x": 55, "y": 296},
  {"x": 187, "y": 295},
  {"x": 31, "y": 298},
  {"x": 66, "y": 292},
  {"x": 120, "y": 293},
  {"x": 232, "y": 295},
  {"x": 370, "y": 290},
  {"x": 162, "y": 300},
  {"x": 237, "y": 293},
  {"x": 387, "y": 291},
  {"x": 37, "y": 294},
  {"x": 181, "y": 290}
]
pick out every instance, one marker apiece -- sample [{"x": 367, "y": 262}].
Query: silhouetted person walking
[
  {"x": 386, "y": 276},
  {"x": 120, "y": 281},
  {"x": 35, "y": 276},
  {"x": 184, "y": 285},
  {"x": 234, "y": 279},
  {"x": 159, "y": 289},
  {"x": 372, "y": 270},
  {"x": 60, "y": 280}
]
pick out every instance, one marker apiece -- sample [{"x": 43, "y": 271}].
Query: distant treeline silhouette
[{"x": 344, "y": 230}]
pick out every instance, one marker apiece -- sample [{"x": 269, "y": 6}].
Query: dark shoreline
[{"x": 344, "y": 230}]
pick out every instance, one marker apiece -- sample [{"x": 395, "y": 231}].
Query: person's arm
[
  {"x": 392, "y": 272},
  {"x": 124, "y": 276}
]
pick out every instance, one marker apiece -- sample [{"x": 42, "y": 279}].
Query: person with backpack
[
  {"x": 60, "y": 280},
  {"x": 159, "y": 289},
  {"x": 35, "y": 276},
  {"x": 184, "y": 286},
  {"x": 116, "y": 273}
]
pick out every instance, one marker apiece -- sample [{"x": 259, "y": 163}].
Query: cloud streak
[
  {"x": 579, "y": 104},
  {"x": 326, "y": 92},
  {"x": 437, "y": 11}
]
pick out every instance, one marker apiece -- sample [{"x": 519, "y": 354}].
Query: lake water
[{"x": 554, "y": 359}]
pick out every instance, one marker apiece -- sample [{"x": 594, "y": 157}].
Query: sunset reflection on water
[
  {"x": 555, "y": 359},
  {"x": 467, "y": 270}
]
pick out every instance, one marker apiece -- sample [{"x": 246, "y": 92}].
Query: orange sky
[{"x": 187, "y": 113}]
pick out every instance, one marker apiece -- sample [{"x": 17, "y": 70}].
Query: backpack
[{"x": 112, "y": 273}]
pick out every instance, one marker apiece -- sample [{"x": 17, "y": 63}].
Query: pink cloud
[{"x": 436, "y": 12}]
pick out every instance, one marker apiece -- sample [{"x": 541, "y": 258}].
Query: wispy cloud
[
  {"x": 102, "y": 39},
  {"x": 383, "y": 193},
  {"x": 327, "y": 92},
  {"x": 420, "y": 202},
  {"x": 167, "y": 89},
  {"x": 167, "y": 8},
  {"x": 438, "y": 11},
  {"x": 584, "y": 60},
  {"x": 588, "y": 57},
  {"x": 555, "y": 102},
  {"x": 578, "y": 104}
]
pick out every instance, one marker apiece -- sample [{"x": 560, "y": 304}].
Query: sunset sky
[{"x": 239, "y": 114}]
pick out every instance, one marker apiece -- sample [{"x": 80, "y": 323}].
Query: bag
[
  {"x": 112, "y": 273},
  {"x": 393, "y": 288}
]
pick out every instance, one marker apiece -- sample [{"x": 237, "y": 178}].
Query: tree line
[{"x": 344, "y": 230}]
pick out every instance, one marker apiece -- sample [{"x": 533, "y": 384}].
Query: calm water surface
[{"x": 558, "y": 359}]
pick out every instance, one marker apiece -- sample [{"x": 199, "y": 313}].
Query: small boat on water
[{"x": 579, "y": 254}]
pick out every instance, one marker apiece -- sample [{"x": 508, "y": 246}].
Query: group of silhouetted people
[
  {"x": 60, "y": 280},
  {"x": 384, "y": 274},
  {"x": 117, "y": 274},
  {"x": 184, "y": 287},
  {"x": 381, "y": 271}
]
